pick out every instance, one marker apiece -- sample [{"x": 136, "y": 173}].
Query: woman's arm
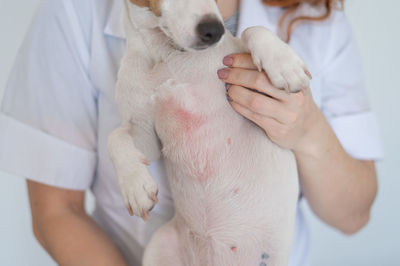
[
  {"x": 63, "y": 228},
  {"x": 340, "y": 189}
]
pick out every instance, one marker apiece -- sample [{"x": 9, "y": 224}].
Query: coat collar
[
  {"x": 114, "y": 25},
  {"x": 252, "y": 13}
]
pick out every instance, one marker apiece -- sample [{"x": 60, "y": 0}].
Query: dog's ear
[
  {"x": 141, "y": 3},
  {"x": 154, "y": 5}
]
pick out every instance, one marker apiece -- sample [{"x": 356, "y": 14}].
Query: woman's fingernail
[
  {"x": 228, "y": 61},
  {"x": 223, "y": 73}
]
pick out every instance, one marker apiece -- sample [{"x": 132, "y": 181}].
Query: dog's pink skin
[{"x": 189, "y": 120}]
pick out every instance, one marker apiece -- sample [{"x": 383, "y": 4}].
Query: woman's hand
[
  {"x": 339, "y": 188},
  {"x": 287, "y": 118}
]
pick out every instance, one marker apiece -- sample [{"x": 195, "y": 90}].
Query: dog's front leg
[
  {"x": 138, "y": 187},
  {"x": 283, "y": 66}
]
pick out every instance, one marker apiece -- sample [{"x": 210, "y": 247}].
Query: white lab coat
[{"x": 59, "y": 108}]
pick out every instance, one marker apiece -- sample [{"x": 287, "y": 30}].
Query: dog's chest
[
  {"x": 193, "y": 117},
  {"x": 191, "y": 120}
]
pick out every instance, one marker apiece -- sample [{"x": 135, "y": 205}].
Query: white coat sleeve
[
  {"x": 344, "y": 99},
  {"x": 48, "y": 117}
]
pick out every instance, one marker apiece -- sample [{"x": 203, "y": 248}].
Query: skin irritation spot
[
  {"x": 191, "y": 234},
  {"x": 236, "y": 190},
  {"x": 234, "y": 249},
  {"x": 188, "y": 120},
  {"x": 229, "y": 141}
]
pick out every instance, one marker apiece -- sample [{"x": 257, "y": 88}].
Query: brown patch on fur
[
  {"x": 154, "y": 5},
  {"x": 141, "y": 3}
]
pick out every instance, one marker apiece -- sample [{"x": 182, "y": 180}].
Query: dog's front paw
[
  {"x": 284, "y": 67},
  {"x": 138, "y": 188}
]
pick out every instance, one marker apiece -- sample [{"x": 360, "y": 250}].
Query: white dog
[{"x": 234, "y": 191}]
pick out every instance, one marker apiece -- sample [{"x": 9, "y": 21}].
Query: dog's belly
[{"x": 233, "y": 189}]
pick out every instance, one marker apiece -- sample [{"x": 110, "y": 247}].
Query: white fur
[{"x": 234, "y": 191}]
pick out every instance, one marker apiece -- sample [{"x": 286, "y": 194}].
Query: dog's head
[{"x": 190, "y": 24}]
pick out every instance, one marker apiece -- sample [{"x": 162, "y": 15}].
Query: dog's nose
[{"x": 210, "y": 31}]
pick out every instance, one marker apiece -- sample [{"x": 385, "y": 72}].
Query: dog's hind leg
[{"x": 164, "y": 248}]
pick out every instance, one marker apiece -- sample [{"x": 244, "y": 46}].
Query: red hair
[{"x": 292, "y": 5}]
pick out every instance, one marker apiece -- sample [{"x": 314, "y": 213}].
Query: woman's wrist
[{"x": 316, "y": 137}]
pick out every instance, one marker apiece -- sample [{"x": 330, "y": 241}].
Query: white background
[{"x": 376, "y": 25}]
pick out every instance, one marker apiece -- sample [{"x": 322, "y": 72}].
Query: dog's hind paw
[{"x": 283, "y": 66}]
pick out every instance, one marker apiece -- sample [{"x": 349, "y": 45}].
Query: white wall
[{"x": 376, "y": 27}]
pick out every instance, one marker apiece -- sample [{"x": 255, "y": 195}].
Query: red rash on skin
[
  {"x": 236, "y": 190},
  {"x": 189, "y": 120},
  {"x": 234, "y": 249},
  {"x": 187, "y": 123},
  {"x": 229, "y": 141}
]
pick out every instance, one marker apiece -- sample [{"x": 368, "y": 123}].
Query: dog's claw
[
  {"x": 308, "y": 74},
  {"x": 152, "y": 207},
  {"x": 145, "y": 162},
  {"x": 139, "y": 193},
  {"x": 130, "y": 210},
  {"x": 145, "y": 215},
  {"x": 154, "y": 197}
]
